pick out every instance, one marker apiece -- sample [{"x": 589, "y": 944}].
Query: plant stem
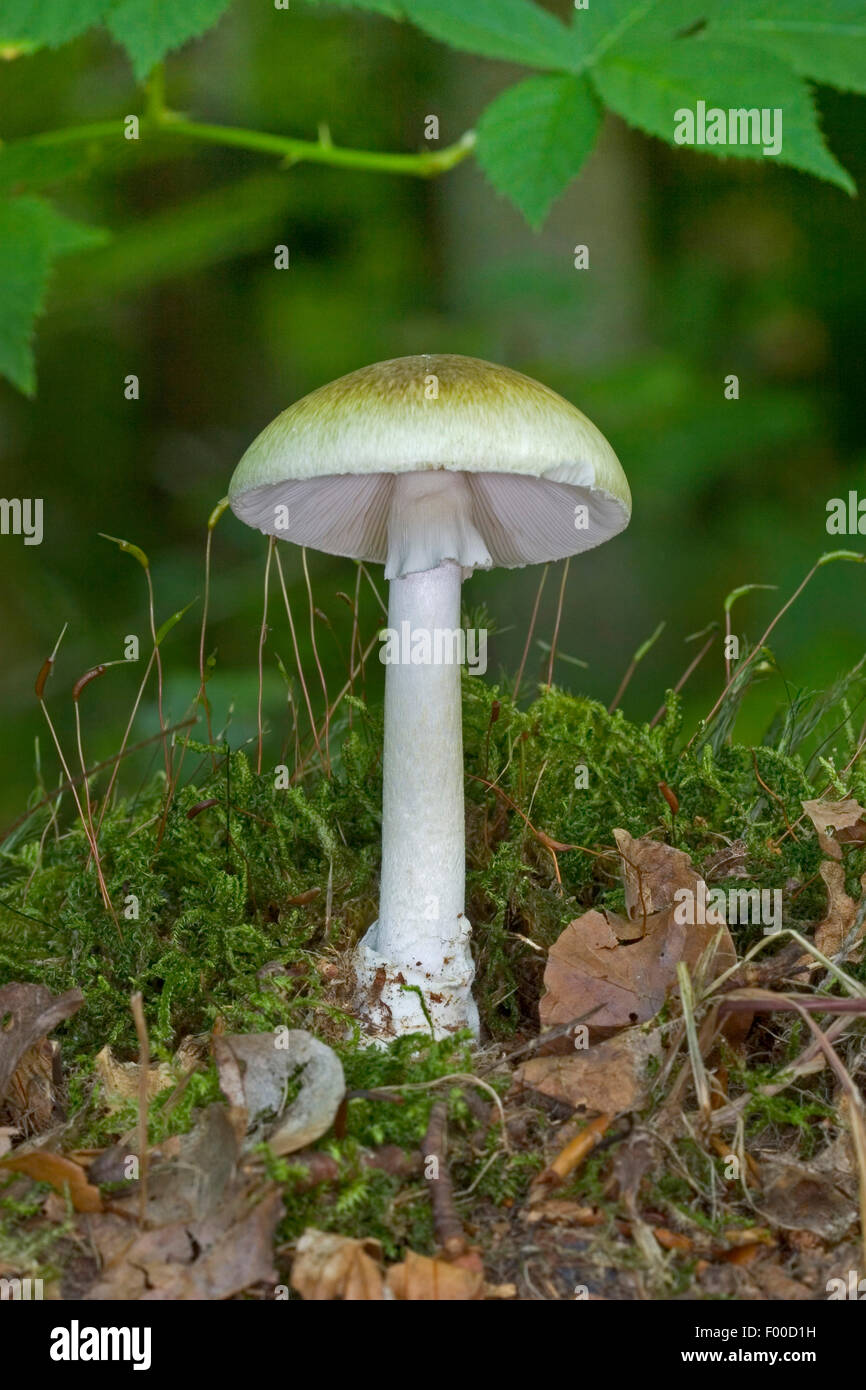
[
  {"x": 88, "y": 830},
  {"x": 155, "y": 93},
  {"x": 741, "y": 666},
  {"x": 300, "y": 668},
  {"x": 425, "y": 164},
  {"x": 327, "y": 763},
  {"x": 151, "y": 613},
  {"x": 158, "y": 121}
]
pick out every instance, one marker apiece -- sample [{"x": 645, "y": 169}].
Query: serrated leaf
[
  {"x": 48, "y": 23},
  {"x": 648, "y": 86},
  {"x": 33, "y": 235},
  {"x": 517, "y": 31},
  {"x": 534, "y": 137},
  {"x": 605, "y": 24},
  {"x": 670, "y": 19},
  {"x": 148, "y": 29},
  {"x": 827, "y": 42}
]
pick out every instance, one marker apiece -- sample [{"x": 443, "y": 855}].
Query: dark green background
[{"x": 698, "y": 269}]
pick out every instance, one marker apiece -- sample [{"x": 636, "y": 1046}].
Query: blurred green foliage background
[{"x": 698, "y": 269}]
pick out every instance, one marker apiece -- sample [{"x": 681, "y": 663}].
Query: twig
[
  {"x": 447, "y": 1226},
  {"x": 579, "y": 1148},
  {"x": 137, "y": 1007},
  {"x": 469, "y": 1079}
]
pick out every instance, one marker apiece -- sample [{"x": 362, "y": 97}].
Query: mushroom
[{"x": 434, "y": 466}]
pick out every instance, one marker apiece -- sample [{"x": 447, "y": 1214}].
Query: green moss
[
  {"x": 228, "y": 903},
  {"x": 238, "y": 877}
]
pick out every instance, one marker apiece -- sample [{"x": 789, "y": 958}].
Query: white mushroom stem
[{"x": 421, "y": 938}]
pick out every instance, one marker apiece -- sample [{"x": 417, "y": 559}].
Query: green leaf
[
  {"x": 533, "y": 139},
  {"x": 604, "y": 24},
  {"x": 148, "y": 29},
  {"x": 48, "y": 23},
  {"x": 32, "y": 236},
  {"x": 27, "y": 164},
  {"x": 392, "y": 9},
  {"x": 648, "y": 86},
  {"x": 826, "y": 42},
  {"x": 514, "y": 30}
]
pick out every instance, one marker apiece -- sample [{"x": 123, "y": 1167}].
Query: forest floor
[{"x": 667, "y": 1098}]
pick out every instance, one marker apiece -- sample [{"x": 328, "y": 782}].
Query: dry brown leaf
[
  {"x": 727, "y": 862},
  {"x": 213, "y": 1259},
  {"x": 837, "y": 823},
  {"x": 190, "y": 1184},
  {"x": 597, "y": 965},
  {"x": 255, "y": 1070},
  {"x": 60, "y": 1172},
  {"x": 31, "y": 1093},
  {"x": 588, "y": 969},
  {"x": 652, "y": 873},
  {"x": 609, "y": 1077},
  {"x": 559, "y": 1211},
  {"x": 749, "y": 1235},
  {"x": 420, "y": 1279},
  {"x": 633, "y": 1159},
  {"x": 672, "y": 1240},
  {"x": 801, "y": 1197},
  {"x": 831, "y": 933},
  {"x": 775, "y": 1284},
  {"x": 120, "y": 1080},
  {"x": 27, "y": 1014},
  {"x": 329, "y": 1266}
]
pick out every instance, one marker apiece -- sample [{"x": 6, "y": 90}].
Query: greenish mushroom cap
[{"x": 536, "y": 480}]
